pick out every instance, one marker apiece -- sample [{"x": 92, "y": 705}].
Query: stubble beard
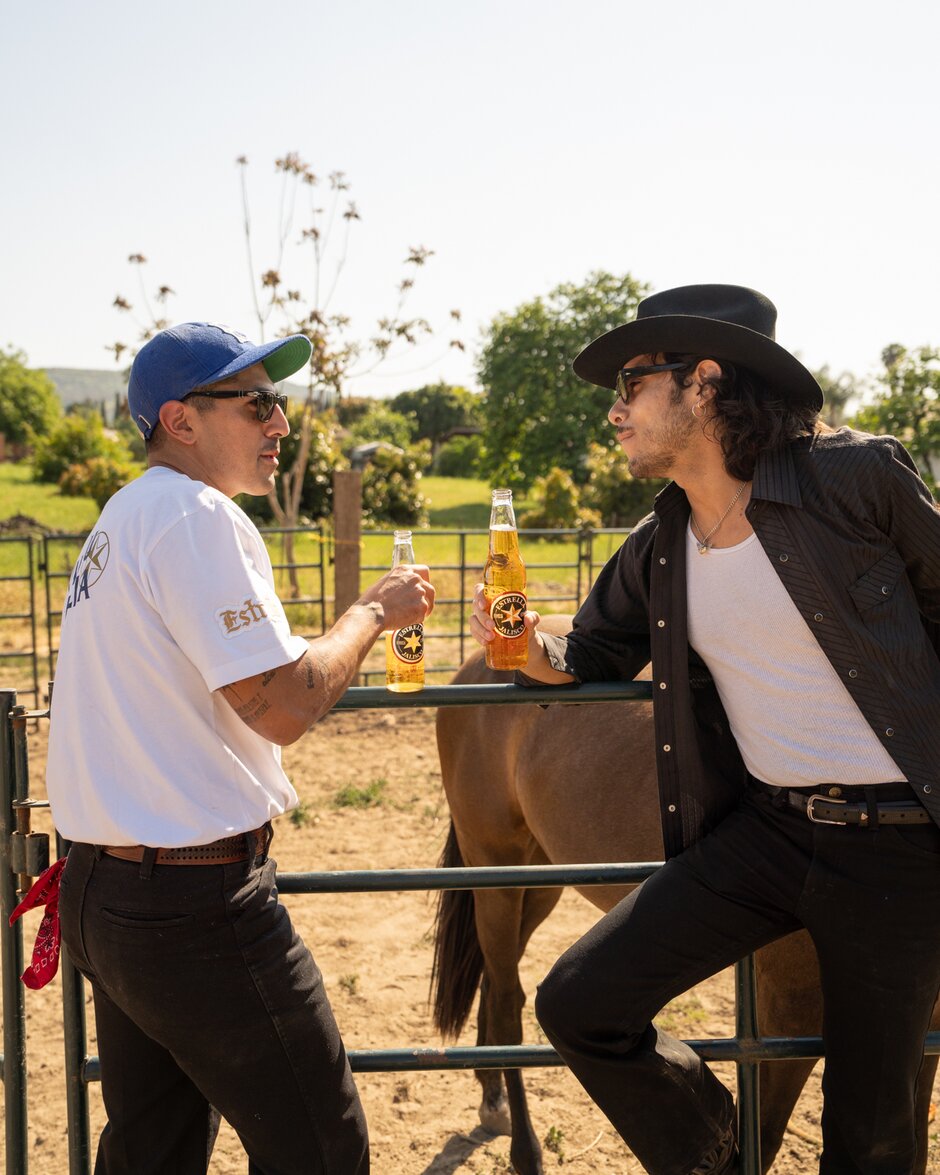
[{"x": 663, "y": 444}]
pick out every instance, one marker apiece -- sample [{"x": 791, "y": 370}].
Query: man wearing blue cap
[
  {"x": 786, "y": 588},
  {"x": 178, "y": 680}
]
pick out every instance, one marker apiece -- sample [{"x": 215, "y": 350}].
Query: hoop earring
[{"x": 698, "y": 404}]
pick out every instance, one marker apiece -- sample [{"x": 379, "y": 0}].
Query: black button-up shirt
[{"x": 854, "y": 535}]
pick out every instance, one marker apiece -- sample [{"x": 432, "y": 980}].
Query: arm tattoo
[
  {"x": 268, "y": 677},
  {"x": 250, "y": 710}
]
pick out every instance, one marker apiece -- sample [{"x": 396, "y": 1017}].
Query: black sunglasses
[
  {"x": 265, "y": 401},
  {"x": 625, "y": 374}
]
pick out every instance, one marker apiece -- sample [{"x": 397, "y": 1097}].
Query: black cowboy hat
[{"x": 717, "y": 322}]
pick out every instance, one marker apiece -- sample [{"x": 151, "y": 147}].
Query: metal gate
[{"x": 23, "y": 854}]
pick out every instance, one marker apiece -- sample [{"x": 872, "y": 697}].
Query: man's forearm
[
  {"x": 539, "y": 667},
  {"x": 282, "y": 704}
]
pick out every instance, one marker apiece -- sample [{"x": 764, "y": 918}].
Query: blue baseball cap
[{"x": 196, "y": 354}]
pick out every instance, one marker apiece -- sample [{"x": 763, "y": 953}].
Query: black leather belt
[{"x": 822, "y": 807}]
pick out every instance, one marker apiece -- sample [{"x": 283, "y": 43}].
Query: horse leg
[
  {"x": 494, "y": 1108},
  {"x": 505, "y": 920},
  {"x": 789, "y": 1003}
]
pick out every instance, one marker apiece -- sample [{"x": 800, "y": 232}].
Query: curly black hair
[{"x": 748, "y": 417}]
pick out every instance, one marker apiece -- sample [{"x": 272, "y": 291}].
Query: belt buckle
[{"x": 826, "y": 800}]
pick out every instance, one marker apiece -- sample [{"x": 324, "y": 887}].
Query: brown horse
[{"x": 575, "y": 784}]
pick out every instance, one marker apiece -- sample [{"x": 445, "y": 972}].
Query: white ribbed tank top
[{"x": 794, "y": 721}]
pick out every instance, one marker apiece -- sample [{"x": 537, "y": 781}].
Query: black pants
[
  {"x": 205, "y": 996},
  {"x": 870, "y": 899}
]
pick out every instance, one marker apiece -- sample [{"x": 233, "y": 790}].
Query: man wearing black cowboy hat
[{"x": 787, "y": 590}]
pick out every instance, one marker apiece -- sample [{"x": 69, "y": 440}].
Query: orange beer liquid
[
  {"x": 504, "y": 587},
  {"x": 404, "y": 659}
]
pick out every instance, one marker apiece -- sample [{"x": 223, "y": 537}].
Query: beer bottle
[
  {"x": 404, "y": 647},
  {"x": 504, "y": 587}
]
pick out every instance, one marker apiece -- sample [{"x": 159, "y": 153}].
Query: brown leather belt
[
  {"x": 227, "y": 851},
  {"x": 822, "y": 808}
]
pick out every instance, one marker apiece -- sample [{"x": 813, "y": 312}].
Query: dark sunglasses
[
  {"x": 265, "y": 401},
  {"x": 626, "y": 374}
]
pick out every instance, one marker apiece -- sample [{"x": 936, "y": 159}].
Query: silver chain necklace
[{"x": 703, "y": 542}]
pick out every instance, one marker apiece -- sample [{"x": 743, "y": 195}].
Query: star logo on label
[
  {"x": 508, "y": 611},
  {"x": 408, "y": 643}
]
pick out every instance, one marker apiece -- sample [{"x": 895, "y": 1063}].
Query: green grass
[
  {"x": 457, "y": 503},
  {"x": 369, "y": 796},
  {"x": 19, "y": 494}
]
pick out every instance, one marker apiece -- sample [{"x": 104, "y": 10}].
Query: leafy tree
[
  {"x": 74, "y": 440},
  {"x": 537, "y": 413},
  {"x": 29, "y": 404},
  {"x": 612, "y": 491},
  {"x": 379, "y": 423},
  {"x": 837, "y": 390},
  {"x": 391, "y": 486},
  {"x": 316, "y": 245},
  {"x": 907, "y": 405},
  {"x": 99, "y": 478},
  {"x": 459, "y": 457},
  {"x": 438, "y": 409},
  {"x": 559, "y": 503}
]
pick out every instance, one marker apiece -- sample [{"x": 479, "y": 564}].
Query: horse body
[{"x": 570, "y": 785}]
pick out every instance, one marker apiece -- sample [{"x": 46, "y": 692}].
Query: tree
[
  {"x": 379, "y": 422},
  {"x": 391, "y": 490},
  {"x": 74, "y": 440},
  {"x": 437, "y": 410},
  {"x": 536, "y": 411},
  {"x": 907, "y": 405},
  {"x": 29, "y": 404},
  {"x": 837, "y": 391},
  {"x": 559, "y": 504},
  {"x": 613, "y": 492},
  {"x": 284, "y": 307}
]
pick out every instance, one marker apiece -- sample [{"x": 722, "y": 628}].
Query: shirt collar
[
  {"x": 775, "y": 480},
  {"x": 775, "y": 477}
]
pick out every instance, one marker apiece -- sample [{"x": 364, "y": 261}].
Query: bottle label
[
  {"x": 507, "y": 611},
  {"x": 408, "y": 643}
]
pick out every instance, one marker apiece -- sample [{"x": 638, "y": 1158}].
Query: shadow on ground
[{"x": 457, "y": 1150}]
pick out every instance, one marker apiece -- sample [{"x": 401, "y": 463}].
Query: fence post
[
  {"x": 347, "y": 524},
  {"x": 11, "y": 950},
  {"x": 746, "y": 1031}
]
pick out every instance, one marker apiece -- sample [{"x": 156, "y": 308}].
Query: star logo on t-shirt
[{"x": 95, "y": 559}]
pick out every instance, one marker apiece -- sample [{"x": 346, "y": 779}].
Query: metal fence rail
[
  {"x": 49, "y": 574},
  {"x": 747, "y": 1048}
]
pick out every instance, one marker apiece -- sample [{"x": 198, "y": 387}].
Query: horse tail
[{"x": 458, "y": 960}]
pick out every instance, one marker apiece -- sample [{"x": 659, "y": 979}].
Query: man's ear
[
  {"x": 174, "y": 416},
  {"x": 707, "y": 371}
]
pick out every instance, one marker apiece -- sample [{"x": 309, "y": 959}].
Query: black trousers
[
  {"x": 870, "y": 898},
  {"x": 205, "y": 996}
]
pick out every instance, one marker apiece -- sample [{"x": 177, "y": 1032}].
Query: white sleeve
[{"x": 210, "y": 580}]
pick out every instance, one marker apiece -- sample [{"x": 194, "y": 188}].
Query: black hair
[{"x": 748, "y": 416}]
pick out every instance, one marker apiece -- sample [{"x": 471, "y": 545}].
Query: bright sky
[{"x": 791, "y": 147}]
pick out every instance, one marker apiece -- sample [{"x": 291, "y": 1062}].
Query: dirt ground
[{"x": 371, "y": 798}]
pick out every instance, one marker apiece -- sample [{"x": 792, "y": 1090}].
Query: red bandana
[{"x": 45, "y": 892}]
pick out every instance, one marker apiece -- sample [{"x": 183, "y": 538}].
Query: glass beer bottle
[
  {"x": 504, "y": 587},
  {"x": 404, "y": 647}
]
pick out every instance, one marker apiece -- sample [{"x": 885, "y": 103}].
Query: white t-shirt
[
  {"x": 171, "y": 598},
  {"x": 793, "y": 718}
]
